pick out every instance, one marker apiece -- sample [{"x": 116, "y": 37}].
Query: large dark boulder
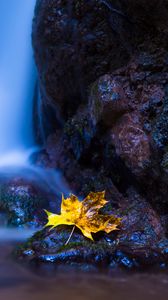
[
  {"x": 75, "y": 42},
  {"x": 103, "y": 78}
]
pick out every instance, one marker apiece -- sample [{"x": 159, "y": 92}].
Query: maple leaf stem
[{"x": 70, "y": 236}]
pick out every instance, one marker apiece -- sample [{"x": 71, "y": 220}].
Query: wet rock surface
[
  {"x": 22, "y": 203},
  {"x": 107, "y": 101},
  {"x": 103, "y": 77},
  {"x": 120, "y": 136},
  {"x": 139, "y": 244},
  {"x": 76, "y": 42}
]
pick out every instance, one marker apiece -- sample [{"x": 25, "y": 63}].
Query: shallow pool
[{"x": 21, "y": 282}]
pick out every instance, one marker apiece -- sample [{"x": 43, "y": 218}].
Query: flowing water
[
  {"x": 17, "y": 87},
  {"x": 17, "y": 80}
]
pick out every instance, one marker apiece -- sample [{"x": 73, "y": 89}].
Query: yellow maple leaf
[{"x": 84, "y": 215}]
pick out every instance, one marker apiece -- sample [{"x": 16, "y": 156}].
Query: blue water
[{"x": 17, "y": 80}]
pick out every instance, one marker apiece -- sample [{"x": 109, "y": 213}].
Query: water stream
[
  {"x": 17, "y": 80},
  {"x": 17, "y": 87}
]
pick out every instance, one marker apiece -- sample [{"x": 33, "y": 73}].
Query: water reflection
[{"x": 19, "y": 282}]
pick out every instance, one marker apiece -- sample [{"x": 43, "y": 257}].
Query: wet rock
[
  {"x": 141, "y": 224},
  {"x": 131, "y": 143},
  {"x": 108, "y": 101},
  {"x": 150, "y": 16},
  {"x": 72, "y": 141},
  {"x": 75, "y": 43},
  {"x": 79, "y": 132},
  {"x": 50, "y": 247},
  {"x": 22, "y": 203},
  {"x": 122, "y": 141},
  {"x": 160, "y": 130},
  {"x": 105, "y": 117},
  {"x": 140, "y": 242}
]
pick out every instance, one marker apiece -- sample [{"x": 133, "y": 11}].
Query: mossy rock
[
  {"x": 22, "y": 205},
  {"x": 79, "y": 132}
]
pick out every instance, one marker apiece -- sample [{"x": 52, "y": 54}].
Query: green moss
[
  {"x": 76, "y": 125},
  {"x": 78, "y": 132},
  {"x": 164, "y": 163}
]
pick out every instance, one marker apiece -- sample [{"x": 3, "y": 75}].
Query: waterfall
[
  {"x": 17, "y": 87},
  {"x": 17, "y": 80}
]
